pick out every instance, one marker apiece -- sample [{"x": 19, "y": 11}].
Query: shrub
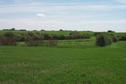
[
  {"x": 37, "y": 37},
  {"x": 114, "y": 38},
  {"x": 42, "y": 30},
  {"x": 96, "y": 33},
  {"x": 77, "y": 35},
  {"x": 103, "y": 40},
  {"x": 33, "y": 35},
  {"x": 46, "y": 36},
  {"x": 122, "y": 37},
  {"x": 9, "y": 34},
  {"x": 32, "y": 43},
  {"x": 61, "y": 30},
  {"x": 61, "y": 37},
  {"x": 74, "y": 33},
  {"x": 20, "y": 37},
  {"x": 110, "y": 31},
  {"x": 13, "y": 29},
  {"x": 87, "y": 36},
  {"x": 52, "y": 42},
  {"x": 22, "y": 30},
  {"x": 7, "y": 41}
]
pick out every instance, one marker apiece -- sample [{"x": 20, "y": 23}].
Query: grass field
[{"x": 61, "y": 65}]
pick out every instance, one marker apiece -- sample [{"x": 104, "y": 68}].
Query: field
[
  {"x": 71, "y": 62},
  {"x": 62, "y": 41}
]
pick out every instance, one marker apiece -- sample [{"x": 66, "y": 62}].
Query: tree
[{"x": 103, "y": 40}]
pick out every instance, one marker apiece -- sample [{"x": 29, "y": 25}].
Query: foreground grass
[{"x": 49, "y": 65}]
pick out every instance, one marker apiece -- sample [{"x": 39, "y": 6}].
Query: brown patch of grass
[
  {"x": 124, "y": 58},
  {"x": 7, "y": 82},
  {"x": 38, "y": 71},
  {"x": 10, "y": 82}
]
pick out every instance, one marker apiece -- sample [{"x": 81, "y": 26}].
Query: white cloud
[{"x": 40, "y": 14}]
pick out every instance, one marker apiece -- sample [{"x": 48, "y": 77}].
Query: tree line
[{"x": 37, "y": 38}]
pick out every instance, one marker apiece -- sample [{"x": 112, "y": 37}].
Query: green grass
[
  {"x": 77, "y": 43},
  {"x": 56, "y": 65}
]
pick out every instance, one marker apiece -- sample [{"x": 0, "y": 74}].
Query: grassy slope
[
  {"x": 77, "y": 43},
  {"x": 47, "y": 65}
]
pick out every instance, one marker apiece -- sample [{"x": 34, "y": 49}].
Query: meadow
[{"x": 76, "y": 61}]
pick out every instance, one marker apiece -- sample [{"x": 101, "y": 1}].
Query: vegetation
[
  {"x": 35, "y": 38},
  {"x": 104, "y": 39},
  {"x": 122, "y": 37},
  {"x": 8, "y": 39},
  {"x": 45, "y": 65},
  {"x": 62, "y": 57}
]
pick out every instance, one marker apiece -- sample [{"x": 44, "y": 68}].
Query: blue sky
[{"x": 94, "y": 15}]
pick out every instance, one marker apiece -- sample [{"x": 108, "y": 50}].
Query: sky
[{"x": 86, "y": 15}]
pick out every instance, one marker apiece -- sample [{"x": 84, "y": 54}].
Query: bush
[
  {"x": 74, "y": 33},
  {"x": 78, "y": 35},
  {"x": 96, "y": 33},
  {"x": 46, "y": 36},
  {"x": 103, "y": 40},
  {"x": 61, "y": 30},
  {"x": 34, "y": 39},
  {"x": 87, "y": 36},
  {"x": 34, "y": 36},
  {"x": 114, "y": 38},
  {"x": 32, "y": 43},
  {"x": 122, "y": 37},
  {"x": 20, "y": 37},
  {"x": 110, "y": 31},
  {"x": 61, "y": 37},
  {"x": 42, "y": 30},
  {"x": 52, "y": 42},
  {"x": 22, "y": 30},
  {"x": 7, "y": 41},
  {"x": 9, "y": 34}
]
